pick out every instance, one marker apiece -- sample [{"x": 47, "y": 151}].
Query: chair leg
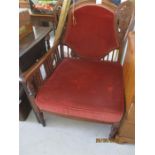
[
  {"x": 42, "y": 120},
  {"x": 114, "y": 130}
]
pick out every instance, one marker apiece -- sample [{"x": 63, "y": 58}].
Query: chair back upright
[{"x": 90, "y": 31}]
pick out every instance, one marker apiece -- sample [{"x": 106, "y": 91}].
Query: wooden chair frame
[{"x": 33, "y": 79}]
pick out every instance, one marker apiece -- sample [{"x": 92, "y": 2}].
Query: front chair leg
[
  {"x": 42, "y": 120},
  {"x": 114, "y": 130}
]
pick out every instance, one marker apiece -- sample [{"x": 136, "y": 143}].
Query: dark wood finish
[
  {"x": 25, "y": 25},
  {"x": 31, "y": 99},
  {"x": 24, "y": 105},
  {"x": 33, "y": 47},
  {"x": 114, "y": 130},
  {"x": 50, "y": 60},
  {"x": 44, "y": 20},
  {"x": 42, "y": 119},
  {"x": 47, "y": 19},
  {"x": 32, "y": 39}
]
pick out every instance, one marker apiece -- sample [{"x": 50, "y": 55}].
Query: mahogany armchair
[{"x": 82, "y": 72}]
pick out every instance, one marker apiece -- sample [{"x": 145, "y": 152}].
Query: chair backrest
[{"x": 90, "y": 31}]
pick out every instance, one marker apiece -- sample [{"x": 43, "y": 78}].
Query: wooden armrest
[
  {"x": 34, "y": 77},
  {"x": 32, "y": 70}
]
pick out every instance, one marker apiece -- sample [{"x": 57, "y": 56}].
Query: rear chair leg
[
  {"x": 114, "y": 130},
  {"x": 42, "y": 120}
]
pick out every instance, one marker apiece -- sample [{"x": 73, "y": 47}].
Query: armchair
[{"x": 83, "y": 76}]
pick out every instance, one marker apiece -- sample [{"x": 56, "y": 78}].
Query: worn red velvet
[
  {"x": 93, "y": 34},
  {"x": 85, "y": 89}
]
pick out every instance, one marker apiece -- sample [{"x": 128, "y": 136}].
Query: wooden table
[
  {"x": 44, "y": 20},
  {"x": 33, "y": 46}
]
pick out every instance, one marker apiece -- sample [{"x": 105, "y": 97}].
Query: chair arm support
[
  {"x": 32, "y": 70},
  {"x": 34, "y": 78}
]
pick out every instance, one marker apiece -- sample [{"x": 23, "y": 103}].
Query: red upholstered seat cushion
[{"x": 85, "y": 89}]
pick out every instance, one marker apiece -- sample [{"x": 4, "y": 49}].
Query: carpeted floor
[{"x": 64, "y": 136}]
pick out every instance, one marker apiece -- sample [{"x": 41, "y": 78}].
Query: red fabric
[
  {"x": 93, "y": 35},
  {"x": 85, "y": 89}
]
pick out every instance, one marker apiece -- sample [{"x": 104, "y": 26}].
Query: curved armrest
[
  {"x": 33, "y": 78},
  {"x": 27, "y": 74}
]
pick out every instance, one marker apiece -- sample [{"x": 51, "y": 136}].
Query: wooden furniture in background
[
  {"x": 25, "y": 25},
  {"x": 126, "y": 132},
  {"x": 33, "y": 46},
  {"x": 24, "y": 104},
  {"x": 24, "y": 4}
]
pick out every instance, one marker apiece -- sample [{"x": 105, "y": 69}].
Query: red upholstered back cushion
[{"x": 93, "y": 34}]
